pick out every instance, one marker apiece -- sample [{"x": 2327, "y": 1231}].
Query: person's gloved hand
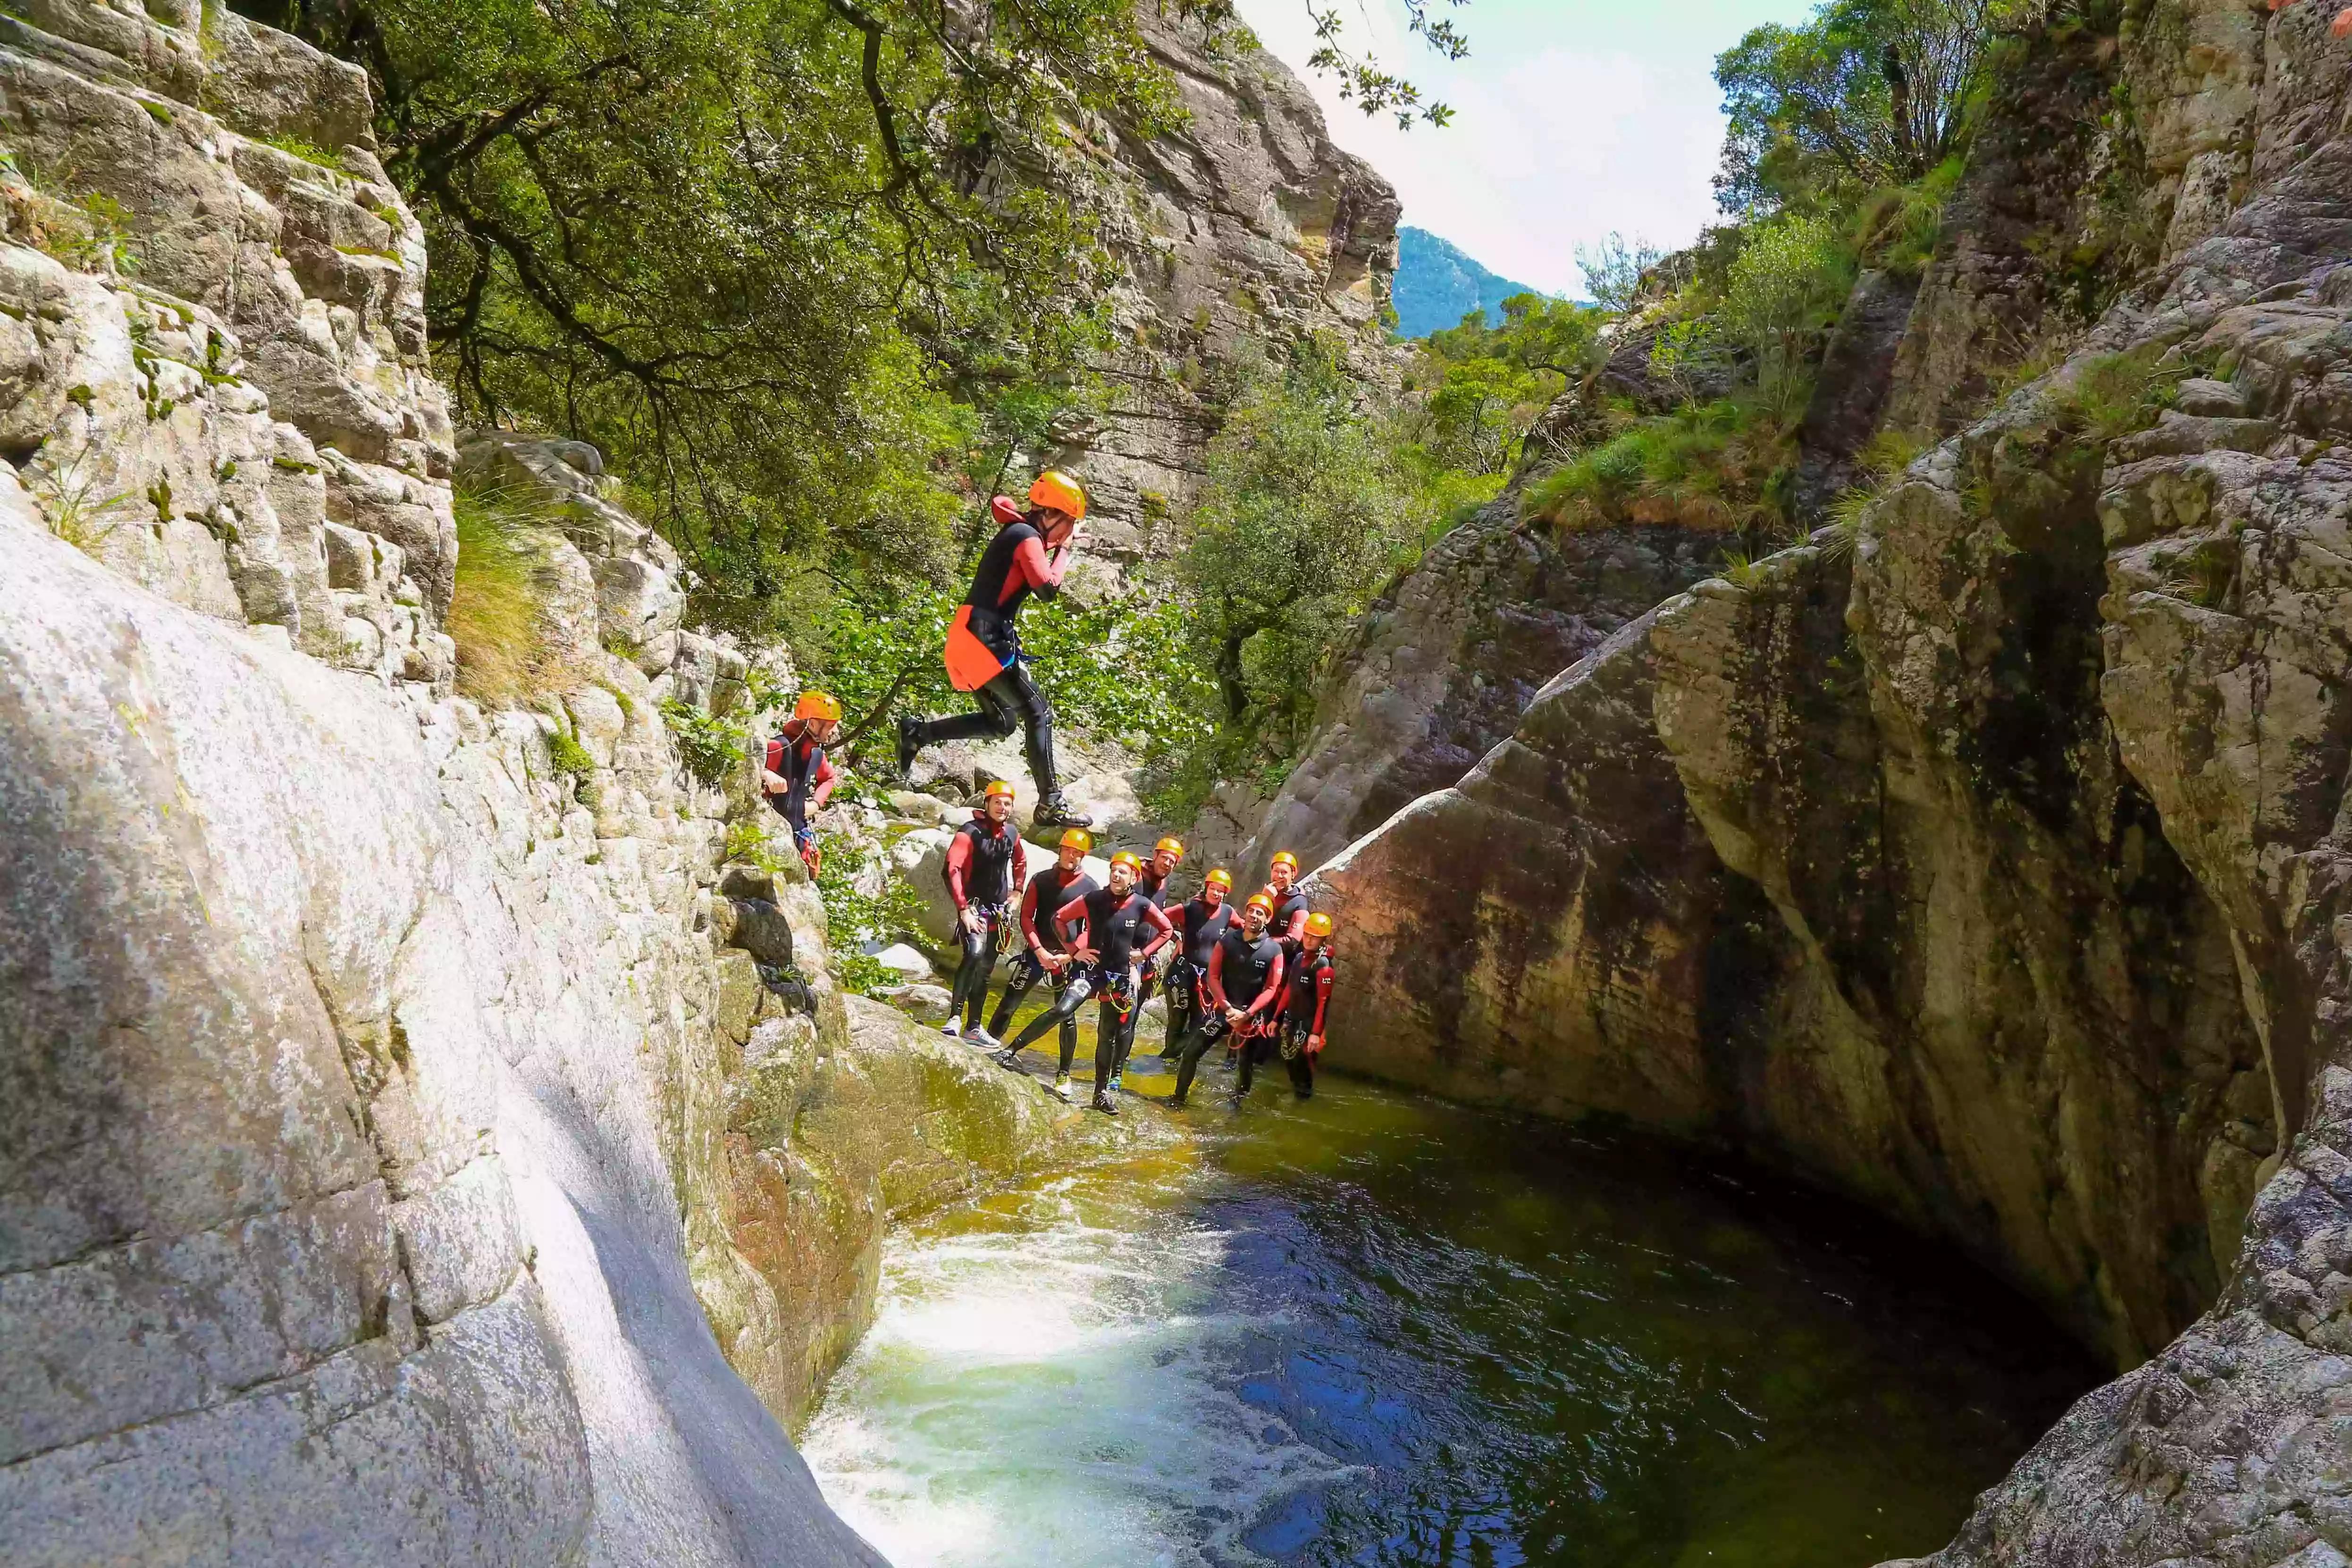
[
  {"x": 810, "y": 856},
  {"x": 1314, "y": 1045}
]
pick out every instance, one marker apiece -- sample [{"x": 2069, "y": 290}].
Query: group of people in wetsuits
[{"x": 1259, "y": 981}]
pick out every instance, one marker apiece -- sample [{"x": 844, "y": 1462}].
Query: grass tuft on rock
[{"x": 497, "y": 613}]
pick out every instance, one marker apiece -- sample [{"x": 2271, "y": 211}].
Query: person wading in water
[
  {"x": 795, "y": 777},
  {"x": 1050, "y": 889},
  {"x": 1028, "y": 556},
  {"x": 986, "y": 861},
  {"x": 1306, "y": 999},
  {"x": 1100, "y": 931},
  {"x": 1245, "y": 985},
  {"x": 1153, "y": 884},
  {"x": 1200, "y": 926}
]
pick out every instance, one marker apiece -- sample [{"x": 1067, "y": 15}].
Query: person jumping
[
  {"x": 986, "y": 861},
  {"x": 1200, "y": 926},
  {"x": 795, "y": 777},
  {"x": 1028, "y": 556},
  {"x": 1099, "y": 931},
  {"x": 1153, "y": 884},
  {"x": 1244, "y": 984},
  {"x": 1044, "y": 957},
  {"x": 1306, "y": 1000}
]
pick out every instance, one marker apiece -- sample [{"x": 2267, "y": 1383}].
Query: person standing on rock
[
  {"x": 1244, "y": 986},
  {"x": 1050, "y": 889},
  {"x": 1029, "y": 555},
  {"x": 795, "y": 775},
  {"x": 1288, "y": 921},
  {"x": 1306, "y": 1001},
  {"x": 1099, "y": 931},
  {"x": 986, "y": 861},
  {"x": 1153, "y": 884},
  {"x": 1199, "y": 927}
]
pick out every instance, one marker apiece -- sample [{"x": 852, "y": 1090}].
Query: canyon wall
[
  {"x": 1984, "y": 859},
  {"x": 429, "y": 1132},
  {"x": 1239, "y": 233}
]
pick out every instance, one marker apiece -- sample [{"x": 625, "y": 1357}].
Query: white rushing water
[{"x": 1052, "y": 1383}]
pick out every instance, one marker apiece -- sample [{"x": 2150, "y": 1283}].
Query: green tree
[
  {"x": 1786, "y": 288},
  {"x": 1868, "y": 93},
  {"x": 1613, "y": 271},
  {"x": 1484, "y": 386},
  {"x": 1308, "y": 503}
]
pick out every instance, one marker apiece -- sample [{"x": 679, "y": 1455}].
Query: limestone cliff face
[
  {"x": 1987, "y": 861},
  {"x": 1247, "y": 225},
  {"x": 421, "y": 1143}
]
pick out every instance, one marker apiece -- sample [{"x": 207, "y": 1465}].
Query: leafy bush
[
  {"x": 496, "y": 612},
  {"x": 710, "y": 745},
  {"x": 569, "y": 757},
  {"x": 1785, "y": 291},
  {"x": 854, "y": 918}
]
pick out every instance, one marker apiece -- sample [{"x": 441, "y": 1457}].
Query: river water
[{"x": 1374, "y": 1329}]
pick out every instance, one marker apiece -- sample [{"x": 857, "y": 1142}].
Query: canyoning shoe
[
  {"x": 953, "y": 1028},
  {"x": 1115, "y": 1086},
  {"x": 911, "y": 744},
  {"x": 1062, "y": 1086},
  {"x": 1053, "y": 811},
  {"x": 1103, "y": 1104},
  {"x": 1010, "y": 1059},
  {"x": 983, "y": 1038},
  {"x": 1176, "y": 1101}
]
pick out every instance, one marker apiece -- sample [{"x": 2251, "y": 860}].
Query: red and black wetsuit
[
  {"x": 807, "y": 774},
  {"x": 1046, "y": 892},
  {"x": 986, "y": 861},
  {"x": 1014, "y": 567},
  {"x": 1112, "y": 923},
  {"x": 1198, "y": 928},
  {"x": 1306, "y": 999},
  {"x": 1243, "y": 974}
]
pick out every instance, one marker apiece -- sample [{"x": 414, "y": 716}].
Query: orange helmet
[
  {"x": 1286, "y": 858},
  {"x": 1318, "y": 925},
  {"x": 998, "y": 786},
  {"x": 1077, "y": 839},
  {"x": 1127, "y": 859},
  {"x": 1060, "y": 491},
  {"x": 818, "y": 705},
  {"x": 1259, "y": 901},
  {"x": 1170, "y": 846},
  {"x": 1223, "y": 878}
]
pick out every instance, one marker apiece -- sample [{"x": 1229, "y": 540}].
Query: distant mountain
[{"x": 1437, "y": 285}]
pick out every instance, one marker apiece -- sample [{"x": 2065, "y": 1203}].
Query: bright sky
[{"x": 1571, "y": 117}]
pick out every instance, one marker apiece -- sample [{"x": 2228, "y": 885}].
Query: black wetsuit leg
[
  {"x": 1183, "y": 987},
  {"x": 1009, "y": 702},
  {"x": 1295, "y": 1058},
  {"x": 971, "y": 994},
  {"x": 1255, "y": 1049},
  {"x": 1026, "y": 973},
  {"x": 1204, "y": 1034},
  {"x": 1065, "y": 1012}
]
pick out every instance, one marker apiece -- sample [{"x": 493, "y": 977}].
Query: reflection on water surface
[{"x": 1378, "y": 1330}]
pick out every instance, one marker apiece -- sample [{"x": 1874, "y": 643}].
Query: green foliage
[
  {"x": 711, "y": 746},
  {"x": 496, "y": 612},
  {"x": 1308, "y": 503},
  {"x": 1484, "y": 388},
  {"x": 72, "y": 501},
  {"x": 309, "y": 152},
  {"x": 855, "y": 918},
  {"x": 569, "y": 757},
  {"x": 1896, "y": 228},
  {"x": 1715, "y": 466},
  {"x": 1791, "y": 279},
  {"x": 2115, "y": 395},
  {"x": 1866, "y": 94}
]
